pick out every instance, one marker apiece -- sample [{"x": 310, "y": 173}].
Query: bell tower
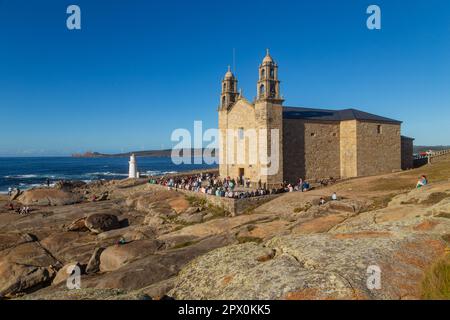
[
  {"x": 269, "y": 122},
  {"x": 229, "y": 90},
  {"x": 268, "y": 87}
]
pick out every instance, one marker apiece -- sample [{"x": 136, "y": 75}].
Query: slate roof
[{"x": 332, "y": 115}]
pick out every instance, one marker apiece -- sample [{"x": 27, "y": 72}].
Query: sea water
[{"x": 25, "y": 173}]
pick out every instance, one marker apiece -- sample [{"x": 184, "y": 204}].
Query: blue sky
[{"x": 137, "y": 70}]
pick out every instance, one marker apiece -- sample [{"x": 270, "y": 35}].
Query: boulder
[
  {"x": 115, "y": 257},
  {"x": 10, "y": 240},
  {"x": 155, "y": 267},
  {"x": 64, "y": 273},
  {"x": 101, "y": 222},
  {"x": 18, "y": 278},
  {"x": 77, "y": 225},
  {"x": 15, "y": 194},
  {"x": 69, "y": 185},
  {"x": 190, "y": 218},
  {"x": 93, "y": 265},
  {"x": 49, "y": 197}
]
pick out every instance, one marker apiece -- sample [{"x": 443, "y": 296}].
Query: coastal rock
[
  {"x": 114, "y": 257},
  {"x": 69, "y": 185},
  {"x": 77, "y": 225},
  {"x": 93, "y": 265},
  {"x": 70, "y": 246},
  {"x": 190, "y": 218},
  {"x": 154, "y": 268},
  {"x": 101, "y": 222},
  {"x": 15, "y": 194},
  {"x": 303, "y": 268},
  {"x": 19, "y": 278},
  {"x": 64, "y": 273},
  {"x": 49, "y": 197},
  {"x": 10, "y": 240}
]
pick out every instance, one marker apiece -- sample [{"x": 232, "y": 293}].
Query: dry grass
[
  {"x": 435, "y": 198},
  {"x": 436, "y": 284},
  {"x": 380, "y": 202},
  {"x": 392, "y": 183}
]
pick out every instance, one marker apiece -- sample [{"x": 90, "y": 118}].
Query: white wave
[
  {"x": 158, "y": 172},
  {"x": 107, "y": 174},
  {"x": 22, "y": 176}
]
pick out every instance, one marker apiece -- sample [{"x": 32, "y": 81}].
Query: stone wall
[
  {"x": 348, "y": 149},
  {"x": 311, "y": 149},
  {"x": 379, "y": 148},
  {"x": 407, "y": 153},
  {"x": 233, "y": 206}
]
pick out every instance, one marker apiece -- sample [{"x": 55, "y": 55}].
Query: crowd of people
[
  {"x": 22, "y": 210},
  {"x": 236, "y": 188}
]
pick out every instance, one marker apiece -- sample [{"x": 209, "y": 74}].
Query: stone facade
[
  {"x": 311, "y": 143},
  {"x": 301, "y": 142},
  {"x": 407, "y": 153}
]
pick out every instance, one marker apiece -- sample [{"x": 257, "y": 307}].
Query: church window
[
  {"x": 379, "y": 129},
  {"x": 223, "y": 101},
  {"x": 271, "y": 73},
  {"x": 263, "y": 74},
  {"x": 224, "y": 87},
  {"x": 241, "y": 133},
  {"x": 262, "y": 90}
]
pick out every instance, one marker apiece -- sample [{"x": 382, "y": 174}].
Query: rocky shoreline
[{"x": 133, "y": 241}]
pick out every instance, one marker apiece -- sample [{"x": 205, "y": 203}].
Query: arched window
[
  {"x": 272, "y": 73},
  {"x": 262, "y": 90},
  {"x": 263, "y": 73},
  {"x": 224, "y": 100},
  {"x": 224, "y": 87}
]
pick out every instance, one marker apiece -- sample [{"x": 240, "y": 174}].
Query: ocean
[{"x": 25, "y": 173}]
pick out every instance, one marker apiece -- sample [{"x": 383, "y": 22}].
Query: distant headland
[{"x": 147, "y": 153}]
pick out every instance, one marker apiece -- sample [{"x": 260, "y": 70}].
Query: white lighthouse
[{"x": 132, "y": 173}]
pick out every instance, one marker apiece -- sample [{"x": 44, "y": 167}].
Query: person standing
[{"x": 9, "y": 191}]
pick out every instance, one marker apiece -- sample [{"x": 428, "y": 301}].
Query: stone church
[{"x": 311, "y": 143}]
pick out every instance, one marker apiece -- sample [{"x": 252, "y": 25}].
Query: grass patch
[
  {"x": 249, "y": 239},
  {"x": 435, "y": 197},
  {"x": 392, "y": 184},
  {"x": 436, "y": 284},
  {"x": 303, "y": 208},
  {"x": 446, "y": 238},
  {"x": 380, "y": 202},
  {"x": 196, "y": 202},
  {"x": 184, "y": 244},
  {"x": 216, "y": 211}
]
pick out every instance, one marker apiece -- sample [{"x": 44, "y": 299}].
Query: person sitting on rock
[
  {"x": 322, "y": 201},
  {"x": 334, "y": 196},
  {"x": 422, "y": 182},
  {"x": 121, "y": 241}
]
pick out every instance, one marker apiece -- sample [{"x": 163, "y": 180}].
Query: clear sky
[{"x": 137, "y": 70}]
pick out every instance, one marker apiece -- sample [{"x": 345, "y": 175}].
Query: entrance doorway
[{"x": 241, "y": 176}]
